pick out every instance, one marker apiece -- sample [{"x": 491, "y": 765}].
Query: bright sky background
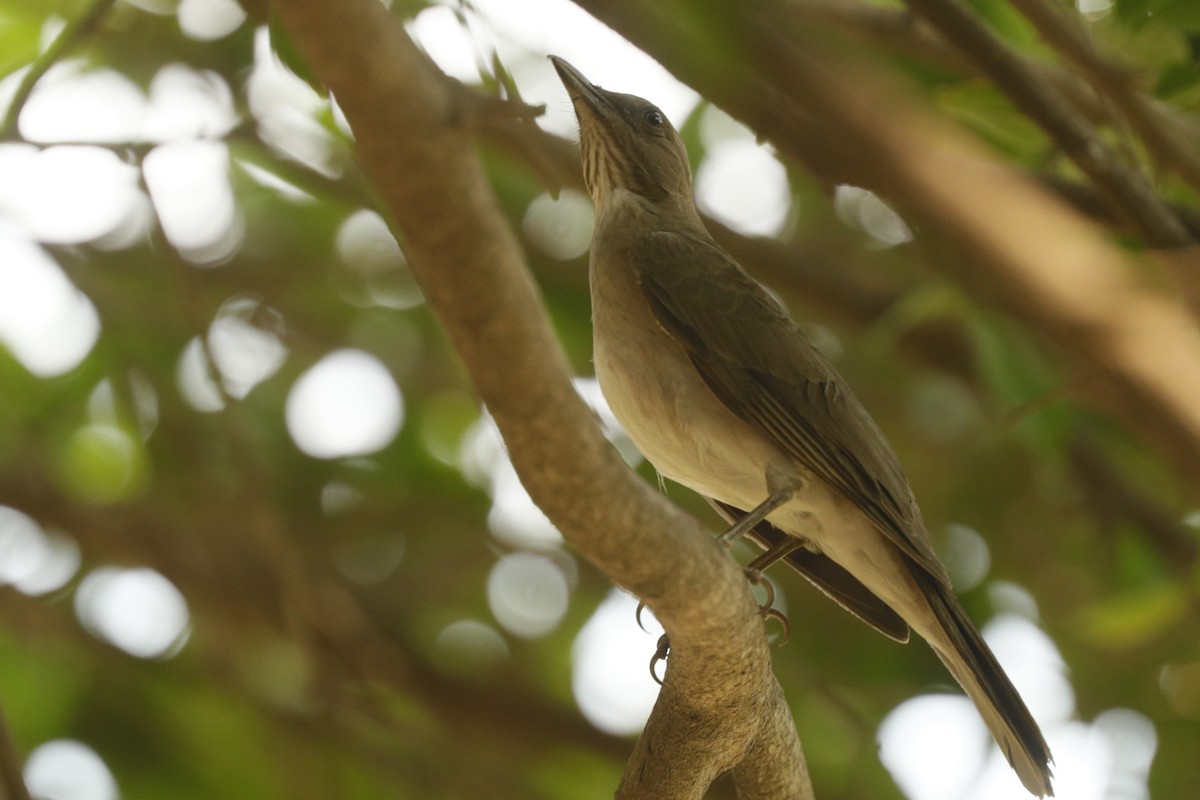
[{"x": 935, "y": 745}]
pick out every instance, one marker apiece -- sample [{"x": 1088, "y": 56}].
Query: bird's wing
[{"x": 760, "y": 364}]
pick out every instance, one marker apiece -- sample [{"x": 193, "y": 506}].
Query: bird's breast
[{"x": 668, "y": 411}]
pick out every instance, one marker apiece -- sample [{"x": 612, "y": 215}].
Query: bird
[{"x": 723, "y": 392}]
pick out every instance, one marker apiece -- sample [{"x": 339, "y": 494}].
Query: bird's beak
[{"x": 578, "y": 87}]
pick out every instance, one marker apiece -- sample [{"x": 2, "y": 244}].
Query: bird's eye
[{"x": 653, "y": 116}]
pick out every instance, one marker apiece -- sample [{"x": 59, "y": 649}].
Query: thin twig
[
  {"x": 71, "y": 33},
  {"x": 1128, "y": 188},
  {"x": 895, "y": 28}
]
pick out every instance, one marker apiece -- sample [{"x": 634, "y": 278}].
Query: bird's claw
[
  {"x": 664, "y": 649},
  {"x": 776, "y": 614},
  {"x": 637, "y": 615},
  {"x": 767, "y": 607},
  {"x": 756, "y": 578}
]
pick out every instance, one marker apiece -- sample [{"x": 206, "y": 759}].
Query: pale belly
[{"x": 676, "y": 421}]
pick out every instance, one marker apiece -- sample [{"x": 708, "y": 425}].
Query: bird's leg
[
  {"x": 756, "y": 515},
  {"x": 782, "y": 488},
  {"x": 767, "y": 558}
]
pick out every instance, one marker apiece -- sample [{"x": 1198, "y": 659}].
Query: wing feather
[{"x": 763, "y": 367}]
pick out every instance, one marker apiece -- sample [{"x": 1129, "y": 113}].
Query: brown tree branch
[
  {"x": 895, "y": 27},
  {"x": 413, "y": 143},
  {"x": 1086, "y": 199}
]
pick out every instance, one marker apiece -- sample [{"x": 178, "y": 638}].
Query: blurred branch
[
  {"x": 1087, "y": 200},
  {"x": 1125, "y": 185},
  {"x": 901, "y": 31},
  {"x": 1160, "y": 132},
  {"x": 12, "y": 784},
  {"x": 894, "y": 27},
  {"x": 359, "y": 640},
  {"x": 373, "y": 672},
  {"x": 250, "y": 497},
  {"x": 471, "y": 270},
  {"x": 72, "y": 32}
]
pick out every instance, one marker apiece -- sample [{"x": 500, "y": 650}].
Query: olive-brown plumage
[{"x": 723, "y": 392}]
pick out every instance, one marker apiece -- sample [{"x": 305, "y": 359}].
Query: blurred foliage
[{"x": 304, "y": 677}]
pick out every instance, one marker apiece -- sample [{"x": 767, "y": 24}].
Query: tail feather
[{"x": 975, "y": 667}]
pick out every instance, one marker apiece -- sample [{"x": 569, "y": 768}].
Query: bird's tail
[{"x": 974, "y": 666}]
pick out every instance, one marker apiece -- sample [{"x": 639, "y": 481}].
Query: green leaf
[
  {"x": 1007, "y": 363},
  {"x": 103, "y": 464},
  {"x": 1177, "y": 79},
  {"x": 1006, "y": 21},
  {"x": 18, "y": 40},
  {"x": 985, "y": 109},
  {"x": 1133, "y": 619},
  {"x": 565, "y": 774},
  {"x": 1182, "y": 14}
]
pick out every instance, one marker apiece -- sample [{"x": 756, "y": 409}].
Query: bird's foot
[
  {"x": 766, "y": 610},
  {"x": 661, "y": 651}
]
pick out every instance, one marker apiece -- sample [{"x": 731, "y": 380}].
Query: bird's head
[{"x": 627, "y": 143}]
